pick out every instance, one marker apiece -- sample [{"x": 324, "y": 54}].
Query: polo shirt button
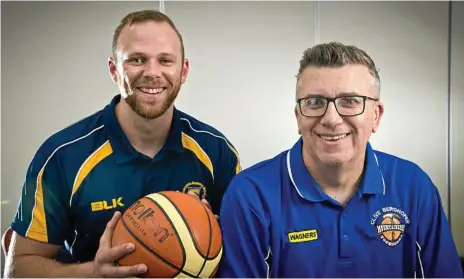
[{"x": 345, "y": 237}]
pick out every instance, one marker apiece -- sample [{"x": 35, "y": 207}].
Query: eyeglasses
[{"x": 345, "y": 105}]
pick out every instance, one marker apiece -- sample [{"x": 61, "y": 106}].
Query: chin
[
  {"x": 151, "y": 112},
  {"x": 335, "y": 159}
]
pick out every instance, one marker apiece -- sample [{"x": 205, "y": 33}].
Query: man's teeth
[
  {"x": 151, "y": 91},
  {"x": 334, "y": 137}
]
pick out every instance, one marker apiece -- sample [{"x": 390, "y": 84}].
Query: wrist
[{"x": 87, "y": 270}]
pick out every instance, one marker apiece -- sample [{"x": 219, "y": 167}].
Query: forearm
[{"x": 37, "y": 266}]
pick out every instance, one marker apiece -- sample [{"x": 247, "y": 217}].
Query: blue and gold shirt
[{"x": 84, "y": 173}]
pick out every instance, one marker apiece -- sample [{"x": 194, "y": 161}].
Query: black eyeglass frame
[{"x": 329, "y": 100}]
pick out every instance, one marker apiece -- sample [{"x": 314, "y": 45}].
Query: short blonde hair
[{"x": 144, "y": 16}]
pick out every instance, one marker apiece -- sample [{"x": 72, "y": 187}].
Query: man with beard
[
  {"x": 83, "y": 177},
  {"x": 332, "y": 206}
]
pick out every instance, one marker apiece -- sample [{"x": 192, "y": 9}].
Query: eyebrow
[
  {"x": 166, "y": 54},
  {"x": 137, "y": 53},
  {"x": 341, "y": 94},
  {"x": 347, "y": 94},
  {"x": 313, "y": 95},
  {"x": 134, "y": 54}
]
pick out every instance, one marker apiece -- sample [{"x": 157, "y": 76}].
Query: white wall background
[{"x": 244, "y": 56}]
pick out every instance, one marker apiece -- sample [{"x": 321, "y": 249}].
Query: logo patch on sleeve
[
  {"x": 302, "y": 236},
  {"x": 196, "y": 187}
]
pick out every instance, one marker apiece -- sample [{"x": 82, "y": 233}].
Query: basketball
[{"x": 175, "y": 235}]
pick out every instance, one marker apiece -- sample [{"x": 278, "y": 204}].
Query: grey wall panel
[{"x": 457, "y": 125}]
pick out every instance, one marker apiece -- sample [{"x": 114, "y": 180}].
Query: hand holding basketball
[
  {"x": 204, "y": 201},
  {"x": 175, "y": 235},
  {"x": 103, "y": 264}
]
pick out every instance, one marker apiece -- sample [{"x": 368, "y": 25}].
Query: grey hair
[{"x": 335, "y": 54}]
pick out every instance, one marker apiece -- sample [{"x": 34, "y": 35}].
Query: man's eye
[
  {"x": 165, "y": 61},
  {"x": 315, "y": 102},
  {"x": 137, "y": 60},
  {"x": 351, "y": 101}
]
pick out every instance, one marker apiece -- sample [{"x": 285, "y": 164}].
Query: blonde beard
[
  {"x": 131, "y": 99},
  {"x": 151, "y": 112}
]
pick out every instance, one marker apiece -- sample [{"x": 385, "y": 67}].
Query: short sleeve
[
  {"x": 42, "y": 213},
  {"x": 227, "y": 167},
  {"x": 437, "y": 254}
]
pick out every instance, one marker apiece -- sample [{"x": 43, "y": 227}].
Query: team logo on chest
[
  {"x": 195, "y": 187},
  {"x": 390, "y": 224}
]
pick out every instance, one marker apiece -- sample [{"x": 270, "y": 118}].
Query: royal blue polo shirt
[
  {"x": 276, "y": 222},
  {"x": 84, "y": 173}
]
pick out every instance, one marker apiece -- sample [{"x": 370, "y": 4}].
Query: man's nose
[
  {"x": 331, "y": 116},
  {"x": 152, "y": 69}
]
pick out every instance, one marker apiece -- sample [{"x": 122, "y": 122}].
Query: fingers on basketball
[
  {"x": 105, "y": 239},
  {"x": 174, "y": 235},
  {"x": 204, "y": 201},
  {"x": 123, "y": 271}
]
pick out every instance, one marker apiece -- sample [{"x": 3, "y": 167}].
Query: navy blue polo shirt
[
  {"x": 277, "y": 222},
  {"x": 84, "y": 173}
]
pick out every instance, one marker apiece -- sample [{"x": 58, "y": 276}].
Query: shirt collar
[
  {"x": 123, "y": 149},
  {"x": 371, "y": 183},
  {"x": 301, "y": 179}
]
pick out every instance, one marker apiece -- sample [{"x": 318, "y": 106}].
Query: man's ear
[
  {"x": 296, "y": 116},
  {"x": 185, "y": 70},
  {"x": 112, "y": 69},
  {"x": 378, "y": 113}
]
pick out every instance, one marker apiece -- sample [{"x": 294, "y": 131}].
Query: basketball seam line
[
  {"x": 181, "y": 268},
  {"x": 148, "y": 248},
  {"x": 154, "y": 252},
  {"x": 195, "y": 244},
  {"x": 210, "y": 240},
  {"x": 219, "y": 252}
]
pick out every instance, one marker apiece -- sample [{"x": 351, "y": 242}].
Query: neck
[
  {"x": 147, "y": 136},
  {"x": 338, "y": 181}
]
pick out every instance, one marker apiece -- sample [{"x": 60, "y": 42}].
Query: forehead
[
  {"x": 331, "y": 81},
  {"x": 149, "y": 37}
]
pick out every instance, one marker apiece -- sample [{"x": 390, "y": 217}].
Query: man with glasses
[{"x": 332, "y": 206}]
